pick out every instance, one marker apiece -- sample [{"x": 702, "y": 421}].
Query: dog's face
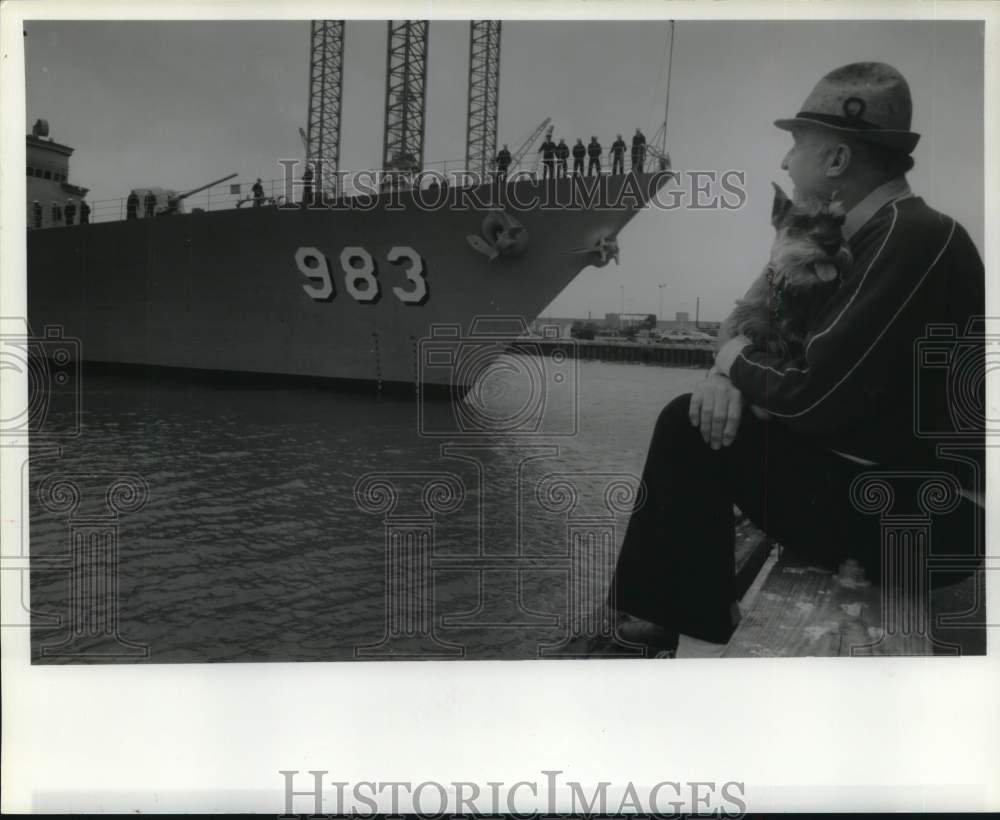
[{"x": 809, "y": 248}]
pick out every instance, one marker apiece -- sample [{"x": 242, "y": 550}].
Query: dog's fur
[{"x": 808, "y": 259}]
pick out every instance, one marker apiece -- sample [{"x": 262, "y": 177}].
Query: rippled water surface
[{"x": 241, "y": 534}]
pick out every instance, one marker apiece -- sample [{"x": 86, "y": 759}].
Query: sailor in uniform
[
  {"x": 594, "y": 151},
  {"x": 618, "y": 156},
  {"x": 638, "y": 151}
]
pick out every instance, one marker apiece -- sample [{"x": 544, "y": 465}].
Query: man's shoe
[{"x": 636, "y": 630}]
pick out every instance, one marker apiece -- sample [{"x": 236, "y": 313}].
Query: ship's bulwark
[{"x": 244, "y": 290}]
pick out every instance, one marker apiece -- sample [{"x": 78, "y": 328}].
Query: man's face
[{"x": 806, "y": 163}]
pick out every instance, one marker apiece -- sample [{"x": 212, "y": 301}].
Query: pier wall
[{"x": 671, "y": 355}]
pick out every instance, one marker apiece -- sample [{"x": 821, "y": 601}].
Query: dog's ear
[{"x": 782, "y": 205}]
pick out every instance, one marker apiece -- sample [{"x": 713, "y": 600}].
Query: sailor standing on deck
[
  {"x": 36, "y": 212},
  {"x": 56, "y": 212},
  {"x": 548, "y": 157},
  {"x": 150, "y": 203},
  {"x": 258, "y": 193},
  {"x": 132, "y": 206},
  {"x": 503, "y": 164},
  {"x": 638, "y": 151},
  {"x": 579, "y": 152},
  {"x": 594, "y": 151},
  {"x": 562, "y": 155},
  {"x": 69, "y": 211},
  {"x": 618, "y": 156},
  {"x": 84, "y": 212}
]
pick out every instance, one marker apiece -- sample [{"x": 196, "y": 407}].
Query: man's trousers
[{"x": 676, "y": 565}]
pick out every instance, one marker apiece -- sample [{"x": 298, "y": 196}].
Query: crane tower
[
  {"x": 405, "y": 99},
  {"x": 484, "y": 95},
  {"x": 326, "y": 83}
]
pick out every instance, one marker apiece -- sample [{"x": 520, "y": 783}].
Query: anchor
[
  {"x": 504, "y": 236},
  {"x": 606, "y": 248}
]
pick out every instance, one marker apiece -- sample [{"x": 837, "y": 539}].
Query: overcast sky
[{"x": 178, "y": 104}]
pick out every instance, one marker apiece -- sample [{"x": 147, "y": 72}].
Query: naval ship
[{"x": 378, "y": 291}]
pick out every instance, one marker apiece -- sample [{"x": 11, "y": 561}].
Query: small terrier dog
[{"x": 808, "y": 259}]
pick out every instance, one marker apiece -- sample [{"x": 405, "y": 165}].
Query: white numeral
[
  {"x": 353, "y": 275},
  {"x": 361, "y": 274},
  {"x": 313, "y": 265},
  {"x": 415, "y": 273}
]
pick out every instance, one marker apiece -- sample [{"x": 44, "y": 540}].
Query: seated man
[{"x": 847, "y": 403}]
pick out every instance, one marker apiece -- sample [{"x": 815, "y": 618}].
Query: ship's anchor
[
  {"x": 606, "y": 248},
  {"x": 504, "y": 236}
]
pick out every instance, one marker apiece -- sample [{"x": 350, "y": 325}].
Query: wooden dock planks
[{"x": 802, "y": 610}]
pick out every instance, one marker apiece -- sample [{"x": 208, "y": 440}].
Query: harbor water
[{"x": 287, "y": 523}]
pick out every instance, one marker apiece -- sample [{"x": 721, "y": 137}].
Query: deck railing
[{"x": 277, "y": 192}]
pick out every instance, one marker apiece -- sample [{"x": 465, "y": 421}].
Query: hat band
[{"x": 855, "y": 123}]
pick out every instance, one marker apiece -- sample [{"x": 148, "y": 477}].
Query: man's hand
[{"x": 716, "y": 407}]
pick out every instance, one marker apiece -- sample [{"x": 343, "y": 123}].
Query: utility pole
[
  {"x": 666, "y": 102},
  {"x": 660, "y": 288},
  {"x": 697, "y": 311}
]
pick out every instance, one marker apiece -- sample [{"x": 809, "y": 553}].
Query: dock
[
  {"x": 797, "y": 609},
  {"x": 668, "y": 355}
]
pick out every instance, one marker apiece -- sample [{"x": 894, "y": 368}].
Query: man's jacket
[{"x": 889, "y": 371}]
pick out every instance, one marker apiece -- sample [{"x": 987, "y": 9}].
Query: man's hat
[{"x": 871, "y": 101}]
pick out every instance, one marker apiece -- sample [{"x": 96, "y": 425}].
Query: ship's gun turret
[{"x": 174, "y": 199}]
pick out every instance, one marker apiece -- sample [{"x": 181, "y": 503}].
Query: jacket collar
[{"x": 888, "y": 192}]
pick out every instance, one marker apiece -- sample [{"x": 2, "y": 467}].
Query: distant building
[
  {"x": 559, "y": 327},
  {"x": 551, "y": 328}
]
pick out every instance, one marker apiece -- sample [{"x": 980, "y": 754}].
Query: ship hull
[{"x": 345, "y": 294}]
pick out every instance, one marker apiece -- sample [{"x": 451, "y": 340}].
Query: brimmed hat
[{"x": 871, "y": 101}]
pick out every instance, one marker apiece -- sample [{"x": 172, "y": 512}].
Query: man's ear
[
  {"x": 838, "y": 160},
  {"x": 781, "y": 206}
]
